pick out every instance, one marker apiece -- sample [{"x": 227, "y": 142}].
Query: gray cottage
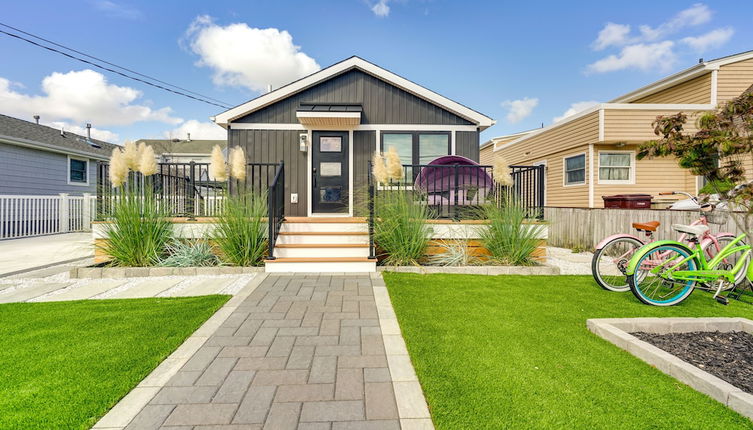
[
  {"x": 326, "y": 126},
  {"x": 40, "y": 160}
]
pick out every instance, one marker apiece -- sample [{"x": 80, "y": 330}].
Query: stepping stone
[
  {"x": 146, "y": 288},
  {"x": 88, "y": 290},
  {"x": 28, "y": 293},
  {"x": 204, "y": 287}
]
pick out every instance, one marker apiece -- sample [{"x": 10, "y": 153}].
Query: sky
[{"x": 522, "y": 63}]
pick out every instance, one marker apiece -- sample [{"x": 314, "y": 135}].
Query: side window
[
  {"x": 78, "y": 171},
  {"x": 575, "y": 170},
  {"x": 615, "y": 167}
]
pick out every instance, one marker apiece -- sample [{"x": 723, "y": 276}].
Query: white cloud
[
  {"x": 518, "y": 110},
  {"x": 645, "y": 57},
  {"x": 695, "y": 15},
  {"x": 198, "y": 130},
  {"x": 712, "y": 39},
  {"x": 611, "y": 34},
  {"x": 245, "y": 56},
  {"x": 81, "y": 96},
  {"x": 97, "y": 133},
  {"x": 575, "y": 108},
  {"x": 381, "y": 8}
]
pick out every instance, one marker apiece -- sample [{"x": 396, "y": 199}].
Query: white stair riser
[
  {"x": 324, "y": 227},
  {"x": 326, "y": 239},
  {"x": 349, "y": 266},
  {"x": 321, "y": 252}
]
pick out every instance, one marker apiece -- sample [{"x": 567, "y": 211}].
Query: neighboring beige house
[
  {"x": 183, "y": 151},
  {"x": 486, "y": 153},
  {"x": 592, "y": 153}
]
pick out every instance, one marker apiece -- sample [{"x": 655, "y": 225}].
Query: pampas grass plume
[
  {"x": 238, "y": 163},
  {"x": 379, "y": 169},
  {"x": 394, "y": 166},
  {"x": 217, "y": 166}
]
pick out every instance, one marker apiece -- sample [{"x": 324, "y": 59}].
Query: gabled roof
[
  {"x": 506, "y": 138},
  {"x": 354, "y": 62},
  {"x": 695, "y": 71},
  {"x": 25, "y": 133},
  {"x": 193, "y": 146}
]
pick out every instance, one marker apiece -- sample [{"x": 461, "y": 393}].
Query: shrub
[
  {"x": 401, "y": 232},
  {"x": 139, "y": 230},
  {"x": 196, "y": 253},
  {"x": 454, "y": 253},
  {"x": 508, "y": 238},
  {"x": 240, "y": 232}
]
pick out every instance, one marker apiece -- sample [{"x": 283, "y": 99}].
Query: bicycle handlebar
[{"x": 683, "y": 193}]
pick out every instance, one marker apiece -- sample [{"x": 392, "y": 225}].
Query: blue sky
[{"x": 522, "y": 63}]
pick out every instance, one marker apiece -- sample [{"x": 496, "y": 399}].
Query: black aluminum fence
[
  {"x": 187, "y": 189},
  {"x": 276, "y": 207},
  {"x": 528, "y": 188}
]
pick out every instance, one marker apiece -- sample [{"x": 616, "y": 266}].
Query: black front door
[{"x": 329, "y": 172}]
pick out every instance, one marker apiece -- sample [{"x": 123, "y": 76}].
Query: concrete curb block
[
  {"x": 617, "y": 331},
  {"x": 475, "y": 270},
  {"x": 145, "y": 272},
  {"x": 129, "y": 406},
  {"x": 411, "y": 403}
]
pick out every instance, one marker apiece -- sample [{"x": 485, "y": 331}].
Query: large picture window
[
  {"x": 575, "y": 170},
  {"x": 417, "y": 147},
  {"x": 616, "y": 167},
  {"x": 78, "y": 171}
]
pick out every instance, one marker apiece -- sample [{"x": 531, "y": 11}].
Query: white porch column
[{"x": 86, "y": 212}]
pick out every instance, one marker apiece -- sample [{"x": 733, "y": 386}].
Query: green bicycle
[{"x": 664, "y": 273}]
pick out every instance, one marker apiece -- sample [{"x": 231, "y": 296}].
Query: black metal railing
[
  {"x": 186, "y": 189},
  {"x": 276, "y": 207},
  {"x": 528, "y": 187},
  {"x": 370, "y": 203}
]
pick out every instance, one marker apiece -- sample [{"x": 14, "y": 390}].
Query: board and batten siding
[
  {"x": 364, "y": 143},
  {"x": 467, "y": 144},
  {"x": 29, "y": 171},
  {"x": 733, "y": 79},
  {"x": 694, "y": 91},
  {"x": 271, "y": 146},
  {"x": 382, "y": 103}
]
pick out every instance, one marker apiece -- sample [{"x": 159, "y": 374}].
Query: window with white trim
[
  {"x": 417, "y": 147},
  {"x": 575, "y": 170},
  {"x": 615, "y": 167},
  {"x": 78, "y": 171}
]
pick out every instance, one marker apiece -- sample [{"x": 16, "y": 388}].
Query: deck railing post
[
  {"x": 541, "y": 190},
  {"x": 191, "y": 192},
  {"x": 371, "y": 197},
  {"x": 456, "y": 186},
  {"x": 63, "y": 213}
]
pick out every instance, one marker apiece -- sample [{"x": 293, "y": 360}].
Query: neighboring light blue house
[{"x": 40, "y": 160}]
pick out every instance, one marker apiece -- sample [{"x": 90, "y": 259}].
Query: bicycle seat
[
  {"x": 646, "y": 226},
  {"x": 693, "y": 230}
]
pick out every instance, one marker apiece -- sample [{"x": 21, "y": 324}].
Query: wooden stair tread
[
  {"x": 326, "y": 220},
  {"x": 321, "y": 260},
  {"x": 323, "y": 233},
  {"x": 321, "y": 245}
]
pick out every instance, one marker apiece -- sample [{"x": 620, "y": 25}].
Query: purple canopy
[{"x": 440, "y": 179}]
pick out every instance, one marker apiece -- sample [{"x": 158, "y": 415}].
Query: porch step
[
  {"x": 320, "y": 264},
  {"x": 332, "y": 219},
  {"x": 322, "y": 237},
  {"x": 314, "y": 250}
]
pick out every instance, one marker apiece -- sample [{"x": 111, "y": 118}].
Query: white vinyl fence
[{"x": 25, "y": 216}]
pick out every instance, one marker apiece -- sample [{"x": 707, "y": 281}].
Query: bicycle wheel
[
  {"x": 659, "y": 289},
  {"x": 729, "y": 262},
  {"x": 609, "y": 263}
]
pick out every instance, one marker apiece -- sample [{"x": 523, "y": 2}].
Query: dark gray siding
[
  {"x": 364, "y": 143},
  {"x": 271, "y": 146},
  {"x": 28, "y": 171},
  {"x": 383, "y": 103},
  {"x": 467, "y": 144}
]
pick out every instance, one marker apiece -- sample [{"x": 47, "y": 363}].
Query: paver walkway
[{"x": 300, "y": 352}]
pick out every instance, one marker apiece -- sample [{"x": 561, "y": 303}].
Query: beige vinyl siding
[
  {"x": 557, "y": 193},
  {"x": 733, "y": 79},
  {"x": 651, "y": 176},
  {"x": 629, "y": 125},
  {"x": 697, "y": 90},
  {"x": 486, "y": 155}
]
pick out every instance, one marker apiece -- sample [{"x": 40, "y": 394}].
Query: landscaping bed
[
  {"x": 514, "y": 352},
  {"x": 65, "y": 364},
  {"x": 726, "y": 355}
]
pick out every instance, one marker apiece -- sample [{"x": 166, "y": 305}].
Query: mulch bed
[{"x": 728, "y": 355}]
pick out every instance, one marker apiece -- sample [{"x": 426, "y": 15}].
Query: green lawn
[
  {"x": 514, "y": 352},
  {"x": 64, "y": 365}
]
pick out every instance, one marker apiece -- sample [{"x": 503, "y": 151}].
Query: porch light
[{"x": 303, "y": 139}]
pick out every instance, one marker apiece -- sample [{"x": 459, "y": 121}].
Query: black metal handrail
[
  {"x": 276, "y": 207},
  {"x": 371, "y": 203}
]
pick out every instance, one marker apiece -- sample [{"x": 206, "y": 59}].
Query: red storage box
[{"x": 627, "y": 201}]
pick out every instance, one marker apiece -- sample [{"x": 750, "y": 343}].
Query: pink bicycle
[{"x": 612, "y": 254}]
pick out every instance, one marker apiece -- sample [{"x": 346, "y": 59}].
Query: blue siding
[{"x": 27, "y": 171}]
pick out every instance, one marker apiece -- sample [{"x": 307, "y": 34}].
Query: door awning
[{"x": 329, "y": 115}]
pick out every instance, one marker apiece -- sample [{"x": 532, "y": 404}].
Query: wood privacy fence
[
  {"x": 26, "y": 216},
  {"x": 584, "y": 228}
]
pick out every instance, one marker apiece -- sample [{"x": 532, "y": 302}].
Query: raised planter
[
  {"x": 475, "y": 270},
  {"x": 617, "y": 331},
  {"x": 143, "y": 272}
]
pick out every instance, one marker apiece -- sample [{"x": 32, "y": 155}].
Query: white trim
[
  {"x": 453, "y": 144},
  {"x": 309, "y": 184},
  {"x": 68, "y": 171},
  {"x": 51, "y": 148},
  {"x": 630, "y": 181},
  {"x": 315, "y": 114},
  {"x": 351, "y": 168},
  {"x": 228, "y": 116},
  {"x": 669, "y": 81},
  {"x": 601, "y": 125},
  {"x": 714, "y": 87},
  {"x": 564, "y": 171},
  {"x": 544, "y": 163},
  {"x": 361, "y": 127}
]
